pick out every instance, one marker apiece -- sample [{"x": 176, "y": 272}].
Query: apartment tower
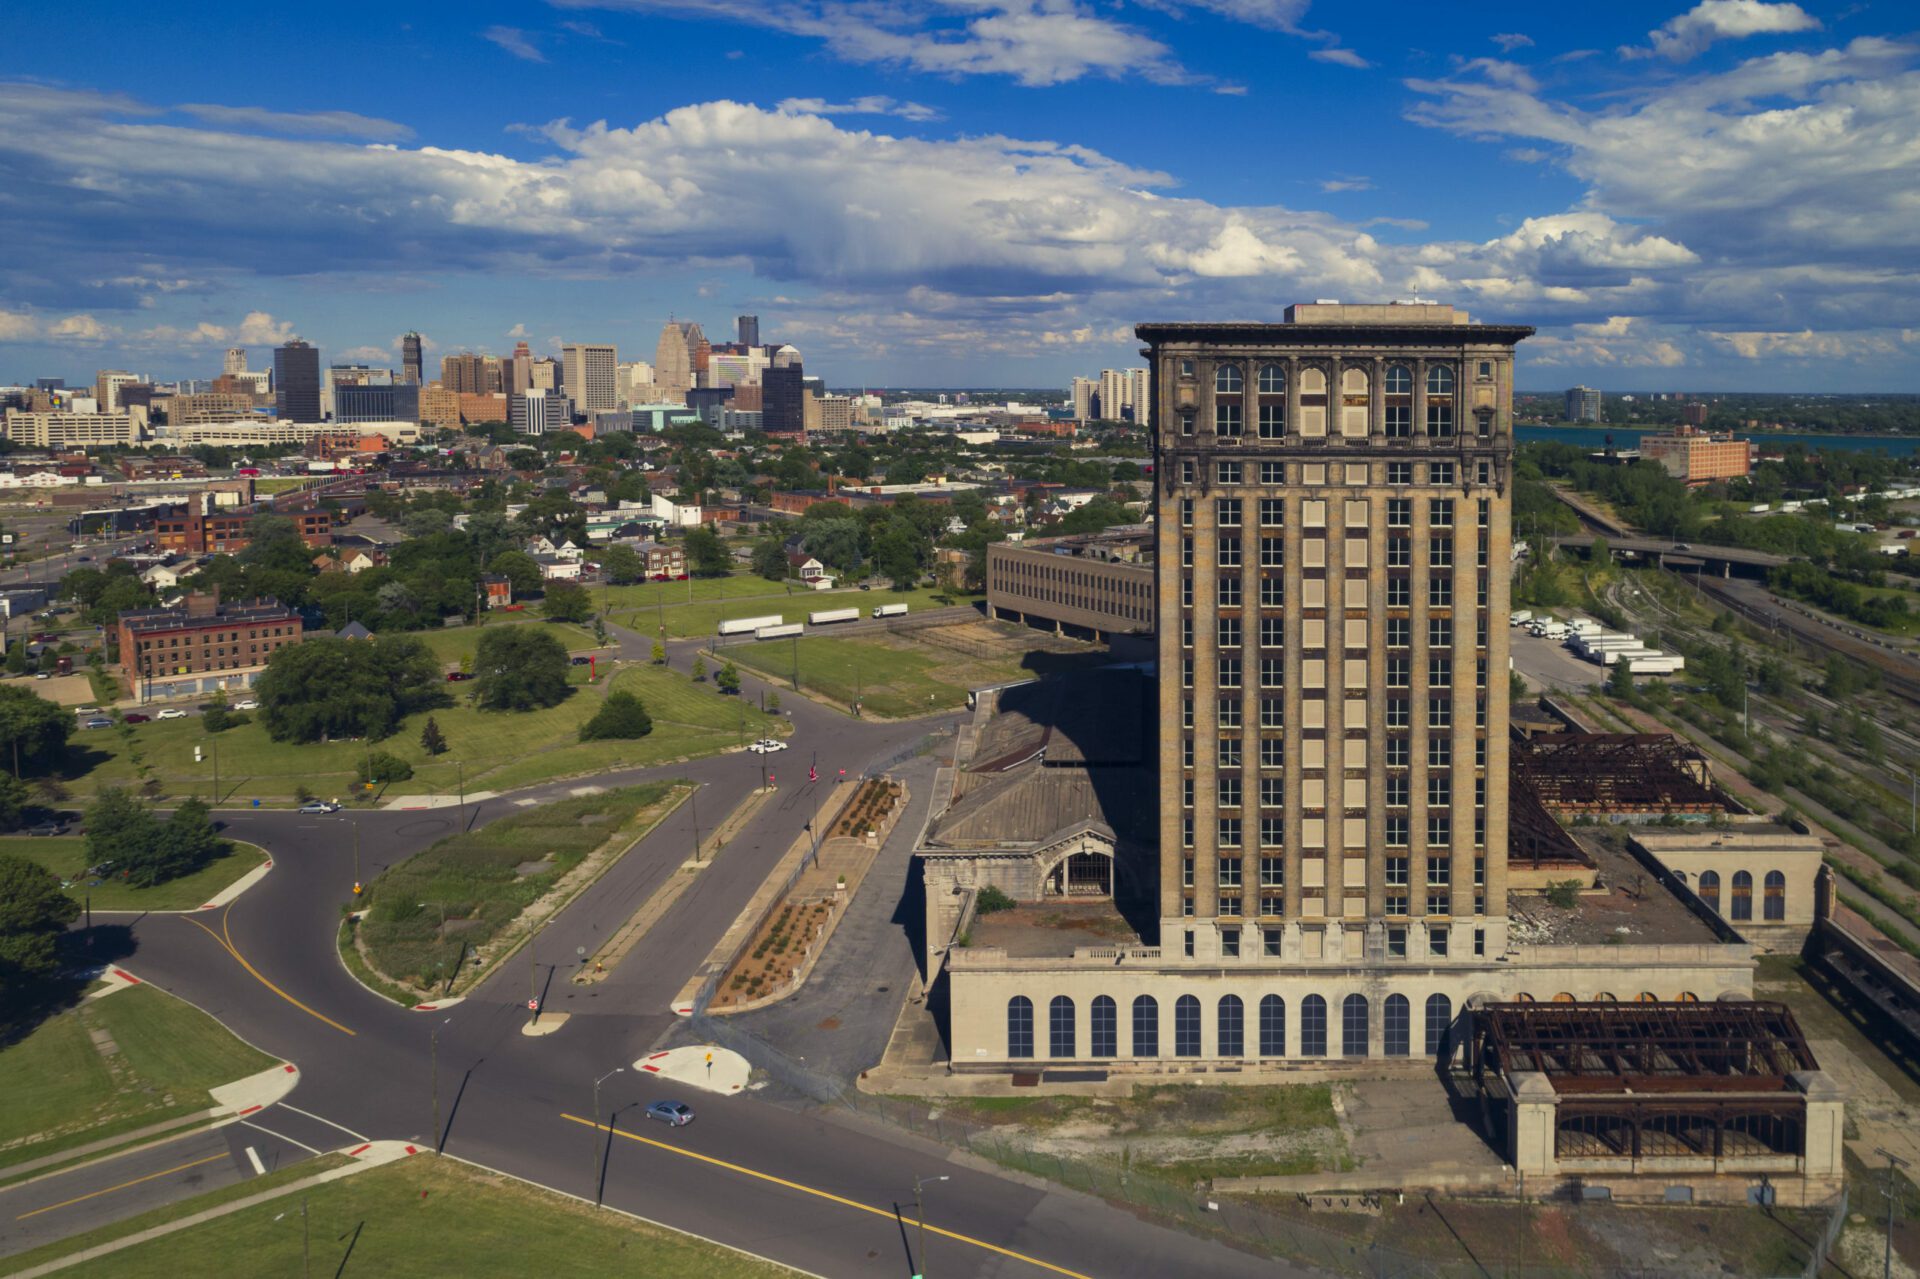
[
  {"x": 1332, "y": 508},
  {"x": 296, "y": 382},
  {"x": 589, "y": 374},
  {"x": 411, "y": 359}
]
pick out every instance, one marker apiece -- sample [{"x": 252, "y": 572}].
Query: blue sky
[{"x": 965, "y": 192}]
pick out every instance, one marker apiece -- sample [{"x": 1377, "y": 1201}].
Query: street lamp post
[
  {"x": 594, "y": 1167},
  {"x": 920, "y": 1213},
  {"x": 1892, "y": 1192},
  {"x": 434, "y": 1040}
]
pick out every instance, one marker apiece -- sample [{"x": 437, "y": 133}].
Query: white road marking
[
  {"x": 328, "y": 1122},
  {"x": 280, "y": 1136},
  {"x": 253, "y": 1157}
]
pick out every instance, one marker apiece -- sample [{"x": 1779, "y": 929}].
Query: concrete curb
[
  {"x": 371, "y": 1155},
  {"x": 225, "y": 896},
  {"x": 256, "y": 1092}
]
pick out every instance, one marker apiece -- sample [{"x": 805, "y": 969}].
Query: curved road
[{"x": 817, "y": 1190}]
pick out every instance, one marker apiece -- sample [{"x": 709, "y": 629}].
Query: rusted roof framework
[
  {"x": 1534, "y": 838},
  {"x": 1618, "y": 772},
  {"x": 1653, "y": 1047}
]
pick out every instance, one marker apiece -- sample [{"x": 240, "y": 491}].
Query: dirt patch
[{"x": 775, "y": 955}]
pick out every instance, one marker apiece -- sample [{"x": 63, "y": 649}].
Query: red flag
[{"x": 813, "y": 774}]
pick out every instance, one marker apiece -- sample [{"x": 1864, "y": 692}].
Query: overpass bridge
[{"x": 1670, "y": 554}]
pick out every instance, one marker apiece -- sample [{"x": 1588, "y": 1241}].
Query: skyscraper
[
  {"x": 1583, "y": 404},
  {"x": 677, "y": 357},
  {"x": 520, "y": 369},
  {"x": 783, "y": 400},
  {"x": 538, "y": 412},
  {"x": 747, "y": 329},
  {"x": 1332, "y": 517},
  {"x": 589, "y": 375},
  {"x": 296, "y": 382},
  {"x": 106, "y": 387},
  {"x": 236, "y": 361},
  {"x": 411, "y": 356}
]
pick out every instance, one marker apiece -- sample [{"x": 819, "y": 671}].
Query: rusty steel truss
[
  {"x": 1748, "y": 1046},
  {"x": 1534, "y": 838},
  {"x": 1575, "y": 773}
]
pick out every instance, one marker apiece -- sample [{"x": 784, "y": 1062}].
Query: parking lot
[{"x": 1550, "y": 664}]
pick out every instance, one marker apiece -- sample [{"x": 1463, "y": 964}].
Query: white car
[
  {"x": 758, "y": 748},
  {"x": 172, "y": 712},
  {"x": 248, "y": 705},
  {"x": 773, "y": 744}
]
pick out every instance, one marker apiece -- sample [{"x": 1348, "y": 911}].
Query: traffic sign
[{"x": 533, "y": 1005}]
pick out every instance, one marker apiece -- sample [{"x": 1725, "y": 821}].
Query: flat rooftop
[
  {"x": 1629, "y": 906},
  {"x": 1054, "y": 930}
]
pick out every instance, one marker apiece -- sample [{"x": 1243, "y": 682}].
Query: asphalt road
[{"x": 819, "y": 1190}]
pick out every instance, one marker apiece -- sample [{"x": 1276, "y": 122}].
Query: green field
[
  {"x": 895, "y": 677},
  {"x": 420, "y": 1217},
  {"x": 648, "y": 595},
  {"x": 498, "y": 750},
  {"x": 64, "y": 1089},
  {"x": 451, "y": 644},
  {"x": 423, "y": 913},
  {"x": 66, "y": 856},
  {"x": 690, "y": 620}
]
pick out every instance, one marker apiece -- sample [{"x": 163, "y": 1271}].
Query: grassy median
[
  {"x": 111, "y": 1065},
  {"x": 429, "y": 1218},
  {"x": 460, "y": 893}
]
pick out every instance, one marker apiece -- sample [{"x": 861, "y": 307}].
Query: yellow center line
[
  {"x": 824, "y": 1194},
  {"x": 67, "y": 1203},
  {"x": 225, "y": 941}
]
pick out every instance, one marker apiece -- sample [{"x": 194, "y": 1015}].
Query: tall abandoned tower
[{"x": 1332, "y": 513}]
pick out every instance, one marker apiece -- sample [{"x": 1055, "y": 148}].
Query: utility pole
[
  {"x": 920, "y": 1214},
  {"x": 594, "y": 1167},
  {"x": 796, "y": 663},
  {"x": 354, "y": 821},
  {"x": 434, "y": 1039},
  {"x": 693, "y": 802},
  {"x": 1892, "y": 1192}
]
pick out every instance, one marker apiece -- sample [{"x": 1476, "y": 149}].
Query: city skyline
[{"x": 1651, "y": 186}]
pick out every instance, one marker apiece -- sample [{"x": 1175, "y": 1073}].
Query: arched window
[
  {"x": 1273, "y": 1026},
  {"x": 1439, "y": 1022},
  {"x": 1710, "y": 889},
  {"x": 1742, "y": 895},
  {"x": 1394, "y": 1025},
  {"x": 1776, "y": 902},
  {"x": 1398, "y": 381},
  {"x": 1060, "y": 1027},
  {"x": 1105, "y": 1027},
  {"x": 1233, "y": 1020},
  {"x": 1186, "y": 1026},
  {"x": 1146, "y": 1026},
  {"x": 1353, "y": 1026},
  {"x": 1273, "y": 379},
  {"x": 1227, "y": 379},
  {"x": 1440, "y": 380},
  {"x": 1313, "y": 382},
  {"x": 1313, "y": 1026},
  {"x": 1353, "y": 381},
  {"x": 1019, "y": 1027}
]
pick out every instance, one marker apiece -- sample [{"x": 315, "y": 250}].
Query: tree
[
  {"x": 1620, "y": 681},
  {"x": 432, "y": 740},
  {"x": 622, "y": 564},
  {"x": 567, "y": 602},
  {"x": 520, "y": 668},
  {"x": 896, "y": 553},
  {"x": 218, "y": 716},
  {"x": 1600, "y": 554},
  {"x": 17, "y": 658},
  {"x": 706, "y": 556},
  {"x": 727, "y": 678},
  {"x": 144, "y": 850},
  {"x": 330, "y": 688},
  {"x": 770, "y": 558},
  {"x": 15, "y": 799},
  {"x": 519, "y": 570},
  {"x": 773, "y": 702},
  {"x": 659, "y": 653},
  {"x": 34, "y": 912},
  {"x": 698, "y": 669},
  {"x": 621, "y": 717},
  {"x": 381, "y": 767},
  {"x": 33, "y": 732}
]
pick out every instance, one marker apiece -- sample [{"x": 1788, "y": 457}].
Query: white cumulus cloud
[{"x": 1689, "y": 35}]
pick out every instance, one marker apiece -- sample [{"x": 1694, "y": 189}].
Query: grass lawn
[
  {"x": 893, "y": 676},
  {"x": 451, "y": 643},
  {"x": 427, "y": 1217},
  {"x": 463, "y": 890},
  {"x": 702, "y": 619},
  {"x": 63, "y": 1087},
  {"x": 649, "y": 595},
  {"x": 497, "y": 750},
  {"x": 66, "y": 856}
]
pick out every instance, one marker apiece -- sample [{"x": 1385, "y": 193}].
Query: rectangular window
[
  {"x": 1272, "y": 592},
  {"x": 1439, "y": 752},
  {"x": 1273, "y": 472},
  {"x": 1186, "y": 592},
  {"x": 1227, "y": 592},
  {"x": 1186, "y": 552},
  {"x": 1271, "y": 712},
  {"x": 1399, "y": 632},
  {"x": 1440, "y": 419},
  {"x": 1272, "y": 835},
  {"x": 1273, "y": 552},
  {"x": 1186, "y": 512},
  {"x": 1439, "y": 830},
  {"x": 1437, "y": 940},
  {"x": 1397, "y": 712},
  {"x": 1273, "y": 421},
  {"x": 1399, "y": 552},
  {"x": 1227, "y": 632},
  {"x": 1186, "y": 672},
  {"x": 1273, "y": 512},
  {"x": 1439, "y": 592},
  {"x": 1229, "y": 713},
  {"x": 1227, "y": 790},
  {"x": 1398, "y": 790},
  {"x": 1396, "y": 943},
  {"x": 1440, "y": 552},
  {"x": 1399, "y": 473},
  {"x": 1229, "y": 872},
  {"x": 1439, "y": 712},
  {"x": 1399, "y": 422},
  {"x": 1440, "y": 512},
  {"x": 1399, "y": 592},
  {"x": 1189, "y": 470},
  {"x": 1226, "y": 420},
  {"x": 1228, "y": 552},
  {"x": 1439, "y": 632},
  {"x": 1226, "y": 472},
  {"x": 1397, "y": 872},
  {"x": 1229, "y": 832},
  {"x": 1398, "y": 832},
  {"x": 1272, "y": 672},
  {"x": 1440, "y": 473},
  {"x": 1273, "y": 872},
  {"x": 1270, "y": 792},
  {"x": 1230, "y": 947},
  {"x": 1439, "y": 672},
  {"x": 1273, "y": 751},
  {"x": 1229, "y": 674},
  {"x": 1397, "y": 752},
  {"x": 1227, "y": 754},
  {"x": 1272, "y": 629},
  {"x": 1399, "y": 512},
  {"x": 1226, "y": 512},
  {"x": 1186, "y": 422}
]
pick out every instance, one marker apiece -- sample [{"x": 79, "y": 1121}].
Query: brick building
[
  {"x": 1099, "y": 582},
  {"x": 189, "y": 531},
  {"x": 1699, "y": 457},
  {"x": 202, "y": 644}
]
